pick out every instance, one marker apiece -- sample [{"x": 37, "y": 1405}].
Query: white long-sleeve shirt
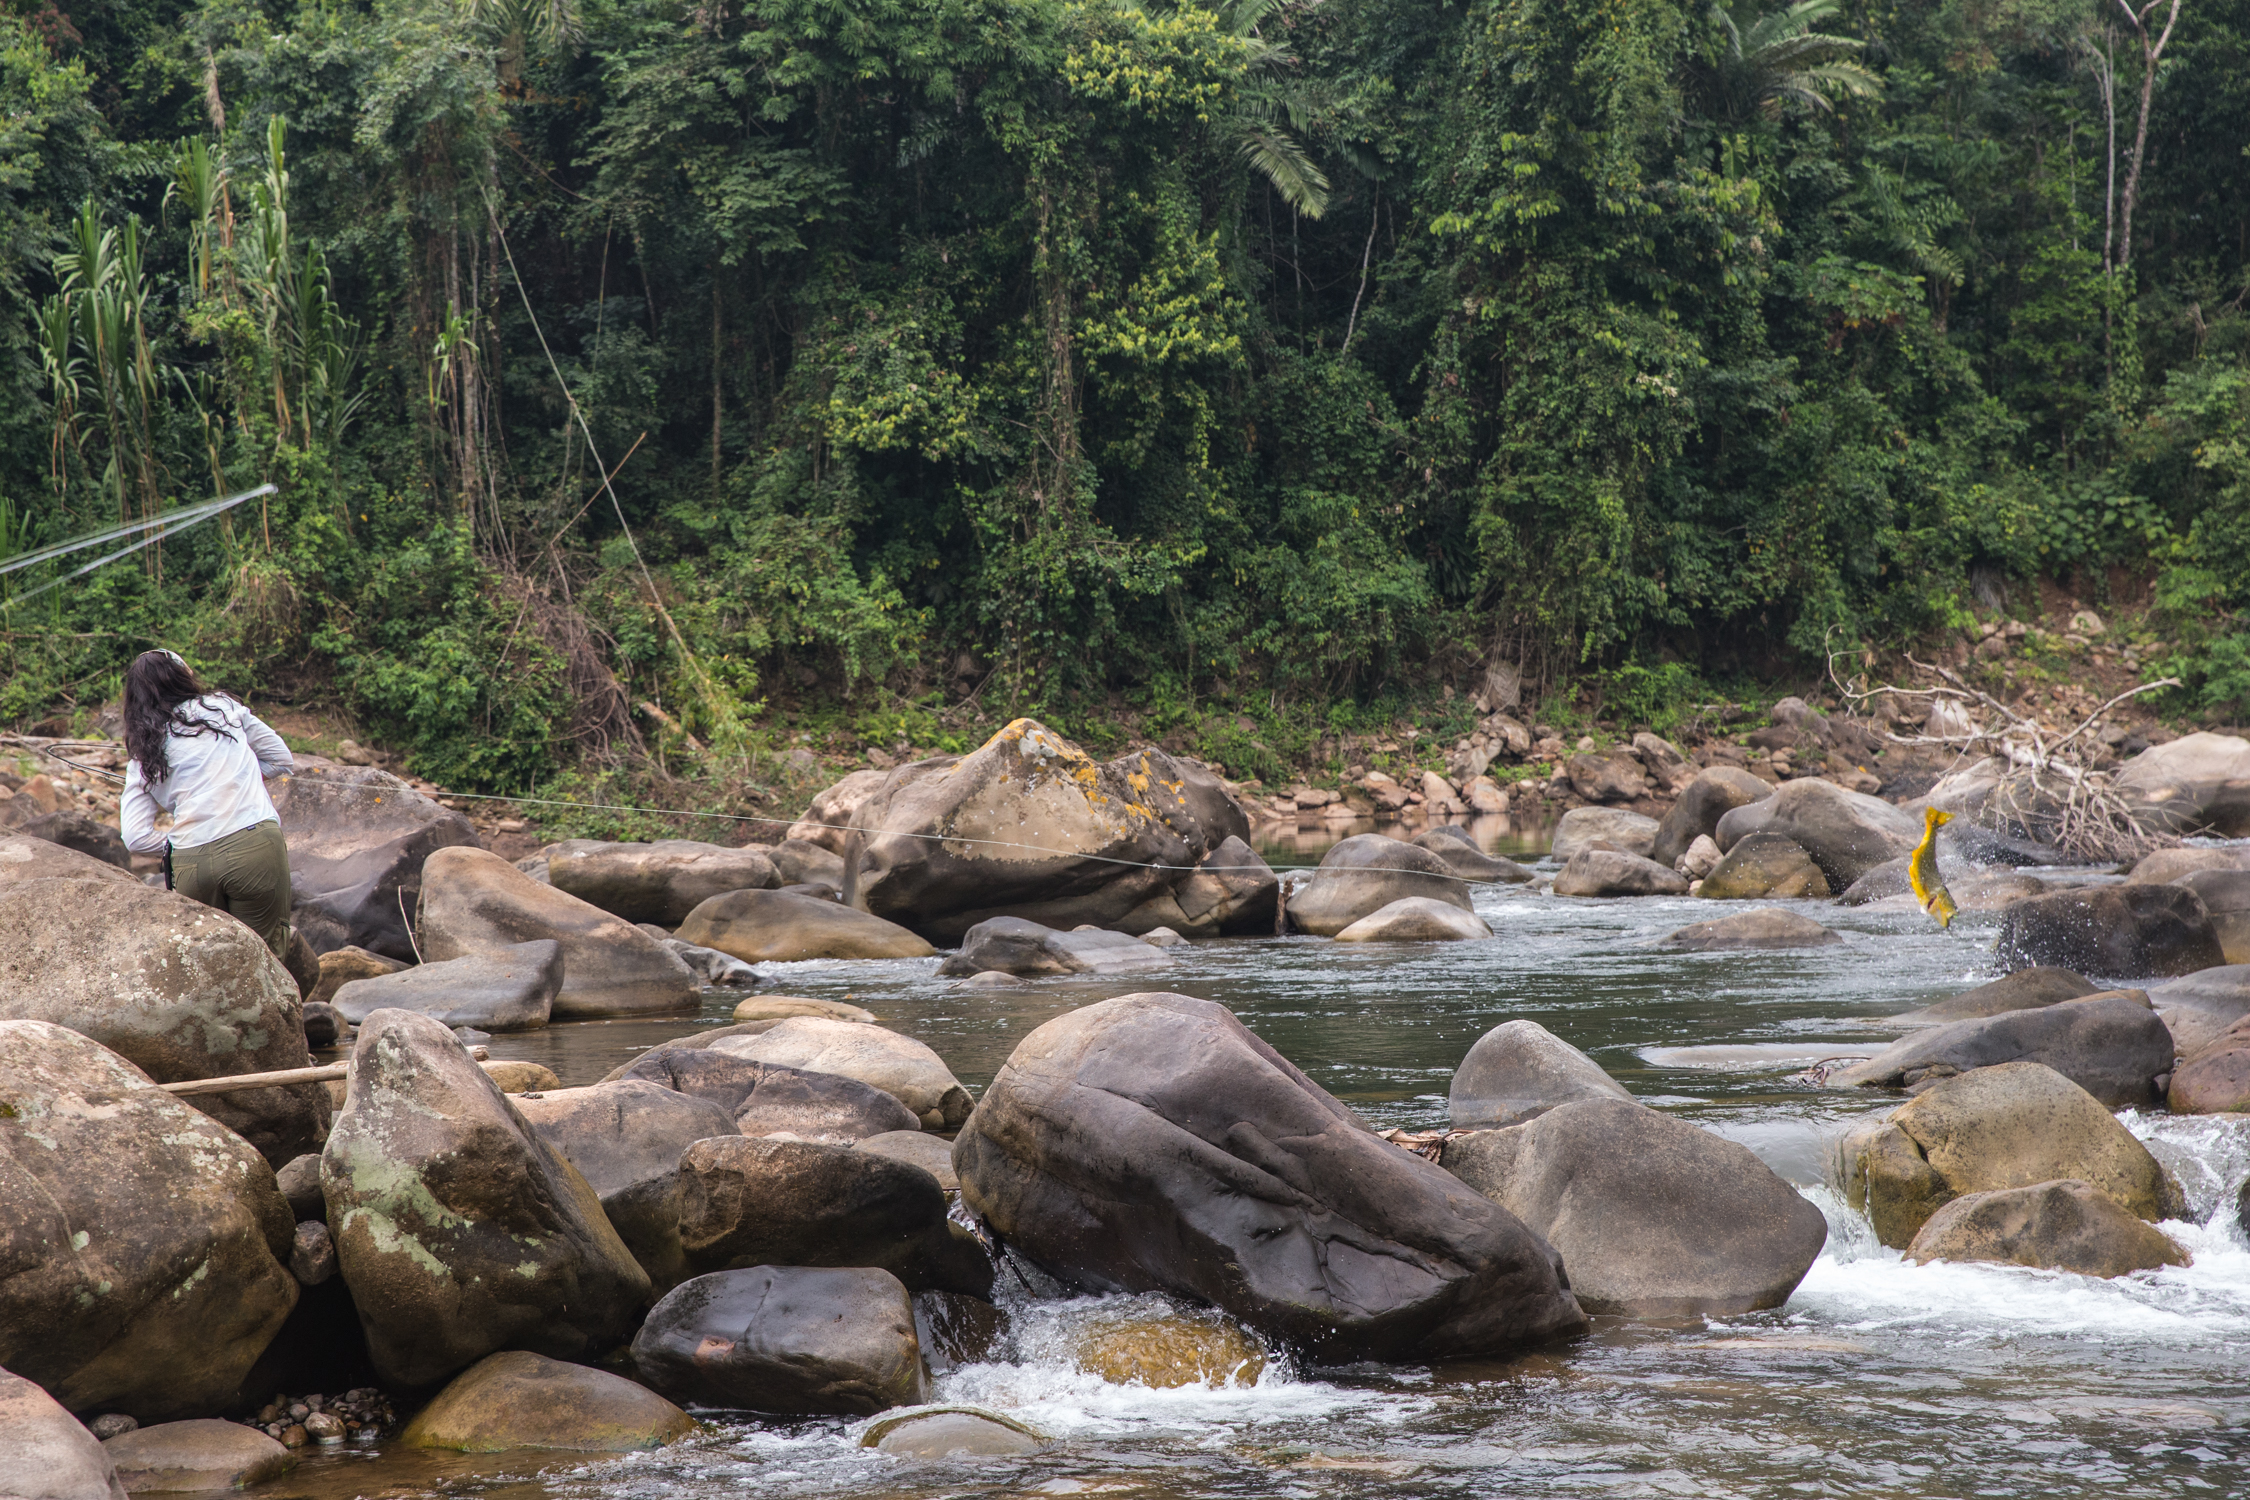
[{"x": 217, "y": 784}]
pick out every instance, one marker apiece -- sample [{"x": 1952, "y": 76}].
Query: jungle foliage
[{"x": 1057, "y": 353}]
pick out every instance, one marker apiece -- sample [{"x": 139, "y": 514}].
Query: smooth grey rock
[
  {"x": 358, "y": 839},
  {"x": 1606, "y": 872},
  {"x": 1233, "y": 890},
  {"x": 658, "y": 882},
  {"x": 1366, "y": 873},
  {"x": 1715, "y": 792},
  {"x": 1653, "y": 1217},
  {"x": 1151, "y": 1143},
  {"x": 1632, "y": 832},
  {"x": 199, "y": 1454},
  {"x": 508, "y": 989},
  {"x": 905, "y": 1069},
  {"x": 141, "y": 1244},
  {"x": 917, "y": 1148},
  {"x": 24, "y": 857},
  {"x": 1518, "y": 1070},
  {"x": 1452, "y": 844},
  {"x": 794, "y": 1341},
  {"x": 1847, "y": 834},
  {"x": 517, "y": 1399},
  {"x": 1766, "y": 927},
  {"x": 2111, "y": 1044},
  {"x": 713, "y": 968},
  {"x": 299, "y": 1181},
  {"x": 2226, "y": 897},
  {"x": 2199, "y": 1007},
  {"x": 2117, "y": 931},
  {"x": 2025, "y": 989},
  {"x": 785, "y": 927},
  {"x": 1012, "y": 945},
  {"x": 2166, "y": 866},
  {"x": 45, "y": 1454}
]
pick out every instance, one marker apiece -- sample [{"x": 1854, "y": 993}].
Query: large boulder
[
  {"x": 785, "y": 927},
  {"x": 2216, "y": 1080},
  {"x": 1763, "y": 866},
  {"x": 2025, "y": 989},
  {"x": 1519, "y": 1070},
  {"x": 1846, "y": 833},
  {"x": 1583, "y": 827},
  {"x": 459, "y": 1231},
  {"x": 917, "y": 1148},
  {"x": 2226, "y": 898},
  {"x": 2110, "y": 1044},
  {"x": 142, "y": 1247},
  {"x": 1452, "y": 843},
  {"x": 1766, "y": 927},
  {"x": 1231, "y": 891},
  {"x": 2055, "y": 1226},
  {"x": 510, "y": 989},
  {"x": 1152, "y": 1143},
  {"x": 659, "y": 882},
  {"x": 1607, "y": 872},
  {"x": 1613, "y": 776},
  {"x": 625, "y": 1139},
  {"x": 2165, "y": 866},
  {"x": 1013, "y": 945},
  {"x": 1653, "y": 1217},
  {"x": 2116, "y": 931},
  {"x": 1416, "y": 919},
  {"x": 1715, "y": 792},
  {"x": 48, "y": 1455},
  {"x": 1030, "y": 826},
  {"x": 201, "y": 1455},
  {"x": 2199, "y": 781},
  {"x": 2199, "y": 1008},
  {"x": 81, "y": 835},
  {"x": 357, "y": 840},
  {"x": 1364, "y": 874},
  {"x": 748, "y": 1201},
  {"x": 181, "y": 990},
  {"x": 476, "y": 903},
  {"x": 905, "y": 1069},
  {"x": 2008, "y": 1126},
  {"x": 790, "y": 1340},
  {"x": 827, "y": 822},
  {"x": 770, "y": 1099},
  {"x": 23, "y": 857},
  {"x": 516, "y": 1399}
]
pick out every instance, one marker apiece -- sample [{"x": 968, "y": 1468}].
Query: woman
[{"x": 203, "y": 758}]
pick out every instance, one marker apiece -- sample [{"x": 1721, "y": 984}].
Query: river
[{"x": 1878, "y": 1378}]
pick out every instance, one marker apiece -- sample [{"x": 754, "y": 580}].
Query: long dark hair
[{"x": 158, "y": 686}]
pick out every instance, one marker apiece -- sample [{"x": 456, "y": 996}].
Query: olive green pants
[{"x": 245, "y": 875}]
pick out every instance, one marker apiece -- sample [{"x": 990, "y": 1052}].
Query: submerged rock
[
  {"x": 793, "y": 1341},
  {"x": 1520, "y": 1069},
  {"x": 1151, "y": 1143},
  {"x": 2055, "y": 1226},
  {"x": 1012, "y": 945},
  {"x": 1365, "y": 873},
  {"x": 1415, "y": 919},
  {"x": 1767, "y": 927},
  {"x": 953, "y": 1432},
  {"x": 511, "y": 989},
  {"x": 516, "y": 1399},
  {"x": 785, "y": 927},
  {"x": 2009, "y": 1126},
  {"x": 458, "y": 1229},
  {"x": 2111, "y": 1044},
  {"x": 1168, "y": 1350},
  {"x": 141, "y": 1244},
  {"x": 782, "y": 1007},
  {"x": 2121, "y": 931},
  {"x": 477, "y": 904},
  {"x": 1653, "y": 1217}
]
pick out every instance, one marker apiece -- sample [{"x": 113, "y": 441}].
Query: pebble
[
  {"x": 112, "y": 1424},
  {"x": 358, "y": 1416}
]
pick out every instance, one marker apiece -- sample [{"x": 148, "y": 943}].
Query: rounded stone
[
  {"x": 952, "y": 1432},
  {"x": 198, "y": 1455},
  {"x": 517, "y": 1399}
]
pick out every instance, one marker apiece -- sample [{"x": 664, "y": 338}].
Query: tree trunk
[{"x": 2152, "y": 53}]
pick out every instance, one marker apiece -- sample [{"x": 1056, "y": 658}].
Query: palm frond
[{"x": 1282, "y": 162}]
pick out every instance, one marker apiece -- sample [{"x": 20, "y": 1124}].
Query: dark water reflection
[{"x": 1878, "y": 1378}]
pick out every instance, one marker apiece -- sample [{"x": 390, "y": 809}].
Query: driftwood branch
[{"x": 327, "y": 1073}]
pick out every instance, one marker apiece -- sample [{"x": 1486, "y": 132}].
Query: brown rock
[
  {"x": 340, "y": 966},
  {"x": 2056, "y": 1226},
  {"x": 520, "y": 1400},
  {"x": 195, "y": 1455}
]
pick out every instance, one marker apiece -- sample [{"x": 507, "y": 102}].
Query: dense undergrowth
[{"x": 1237, "y": 378}]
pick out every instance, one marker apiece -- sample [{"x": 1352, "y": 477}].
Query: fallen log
[{"x": 327, "y": 1073}]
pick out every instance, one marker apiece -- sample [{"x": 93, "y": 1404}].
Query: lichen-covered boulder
[
  {"x": 458, "y": 1229},
  {"x": 1653, "y": 1217},
  {"x": 658, "y": 882},
  {"x": 24, "y": 857},
  {"x": 1031, "y": 826},
  {"x": 357, "y": 840},
  {"x": 179, "y": 989},
  {"x": 476, "y": 903},
  {"x": 142, "y": 1247},
  {"x": 791, "y": 1340},
  {"x": 1364, "y": 874},
  {"x": 1152, "y": 1143}
]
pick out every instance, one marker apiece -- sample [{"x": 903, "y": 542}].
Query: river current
[{"x": 1878, "y": 1378}]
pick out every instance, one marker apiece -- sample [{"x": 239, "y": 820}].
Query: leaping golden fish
[{"x": 1922, "y": 871}]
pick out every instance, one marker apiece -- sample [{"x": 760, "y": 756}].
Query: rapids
[{"x": 1878, "y": 1378}]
